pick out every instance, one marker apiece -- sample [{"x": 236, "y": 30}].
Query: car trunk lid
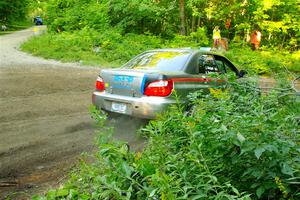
[{"x": 124, "y": 82}]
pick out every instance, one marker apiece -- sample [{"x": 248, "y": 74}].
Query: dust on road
[{"x": 44, "y": 120}]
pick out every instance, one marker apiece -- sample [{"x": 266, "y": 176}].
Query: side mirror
[{"x": 242, "y": 73}]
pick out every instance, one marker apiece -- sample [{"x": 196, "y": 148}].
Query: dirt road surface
[{"x": 44, "y": 119}]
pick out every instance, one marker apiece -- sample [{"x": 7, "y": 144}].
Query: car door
[
  {"x": 209, "y": 67},
  {"x": 198, "y": 75},
  {"x": 224, "y": 65}
]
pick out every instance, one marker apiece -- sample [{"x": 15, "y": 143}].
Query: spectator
[
  {"x": 216, "y": 37},
  {"x": 3, "y": 28},
  {"x": 255, "y": 40}
]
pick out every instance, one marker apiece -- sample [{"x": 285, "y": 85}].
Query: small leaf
[
  {"x": 258, "y": 152},
  {"x": 84, "y": 197},
  {"x": 235, "y": 191},
  {"x": 35, "y": 197},
  {"x": 62, "y": 193},
  {"x": 240, "y": 137},
  {"x": 152, "y": 193},
  {"x": 51, "y": 194},
  {"x": 198, "y": 196},
  {"x": 224, "y": 128},
  {"x": 254, "y": 185},
  {"x": 73, "y": 193},
  {"x": 286, "y": 169},
  {"x": 260, "y": 191},
  {"x": 127, "y": 169}
]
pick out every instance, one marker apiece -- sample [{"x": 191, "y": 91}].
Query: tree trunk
[
  {"x": 182, "y": 17},
  {"x": 193, "y": 23}
]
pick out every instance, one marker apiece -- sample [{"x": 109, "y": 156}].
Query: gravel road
[{"x": 44, "y": 120}]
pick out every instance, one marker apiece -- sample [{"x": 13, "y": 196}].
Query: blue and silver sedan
[{"x": 146, "y": 85}]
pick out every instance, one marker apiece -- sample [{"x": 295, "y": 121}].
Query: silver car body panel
[
  {"x": 142, "y": 107},
  {"x": 124, "y": 88}
]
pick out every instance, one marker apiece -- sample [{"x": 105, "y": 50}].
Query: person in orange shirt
[{"x": 255, "y": 40}]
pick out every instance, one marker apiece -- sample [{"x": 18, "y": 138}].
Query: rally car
[{"x": 146, "y": 85}]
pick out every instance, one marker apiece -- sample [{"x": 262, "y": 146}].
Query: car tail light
[
  {"x": 100, "y": 84},
  {"x": 160, "y": 88}
]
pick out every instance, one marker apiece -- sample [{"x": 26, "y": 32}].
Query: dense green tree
[
  {"x": 277, "y": 19},
  {"x": 13, "y": 10},
  {"x": 37, "y": 8},
  {"x": 70, "y": 15},
  {"x": 140, "y": 16}
]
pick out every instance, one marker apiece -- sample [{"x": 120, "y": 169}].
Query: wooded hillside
[{"x": 277, "y": 19}]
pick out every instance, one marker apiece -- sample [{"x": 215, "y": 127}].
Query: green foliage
[
  {"x": 18, "y": 14},
  {"x": 37, "y": 8},
  {"x": 133, "y": 16},
  {"x": 240, "y": 132},
  {"x": 12, "y": 11},
  {"x": 15, "y": 26},
  {"x": 110, "y": 32},
  {"x": 200, "y": 36},
  {"x": 108, "y": 48},
  {"x": 111, "y": 48},
  {"x": 278, "y": 19},
  {"x": 234, "y": 144},
  {"x": 74, "y": 15},
  {"x": 194, "y": 40},
  {"x": 264, "y": 61},
  {"x": 140, "y": 16}
]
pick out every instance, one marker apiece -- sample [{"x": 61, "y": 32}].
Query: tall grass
[
  {"x": 111, "y": 49},
  {"x": 233, "y": 144}
]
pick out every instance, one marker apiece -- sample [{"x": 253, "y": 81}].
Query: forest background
[
  {"x": 110, "y": 32},
  {"x": 235, "y": 144}
]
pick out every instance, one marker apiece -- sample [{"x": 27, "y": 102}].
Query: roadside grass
[
  {"x": 47, "y": 47},
  {"x": 108, "y": 49},
  {"x": 111, "y": 49},
  {"x": 235, "y": 144},
  {"x": 264, "y": 61},
  {"x": 16, "y": 26}
]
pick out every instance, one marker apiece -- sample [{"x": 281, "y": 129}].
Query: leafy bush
[
  {"x": 200, "y": 36},
  {"x": 112, "y": 48},
  {"x": 254, "y": 141},
  {"x": 195, "y": 40},
  {"x": 265, "y": 61},
  {"x": 132, "y": 16},
  {"x": 72, "y": 15},
  {"x": 108, "y": 48},
  {"x": 233, "y": 144}
]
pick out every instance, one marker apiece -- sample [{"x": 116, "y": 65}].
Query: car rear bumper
[{"x": 141, "y": 107}]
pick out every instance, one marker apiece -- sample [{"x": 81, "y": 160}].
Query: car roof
[{"x": 190, "y": 50}]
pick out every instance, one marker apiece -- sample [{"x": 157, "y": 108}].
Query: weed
[{"x": 236, "y": 144}]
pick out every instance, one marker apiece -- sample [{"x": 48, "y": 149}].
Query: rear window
[{"x": 160, "y": 60}]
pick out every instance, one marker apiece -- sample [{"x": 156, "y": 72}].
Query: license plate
[{"x": 118, "y": 107}]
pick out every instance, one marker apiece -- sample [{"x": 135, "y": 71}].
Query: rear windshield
[{"x": 159, "y": 60}]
